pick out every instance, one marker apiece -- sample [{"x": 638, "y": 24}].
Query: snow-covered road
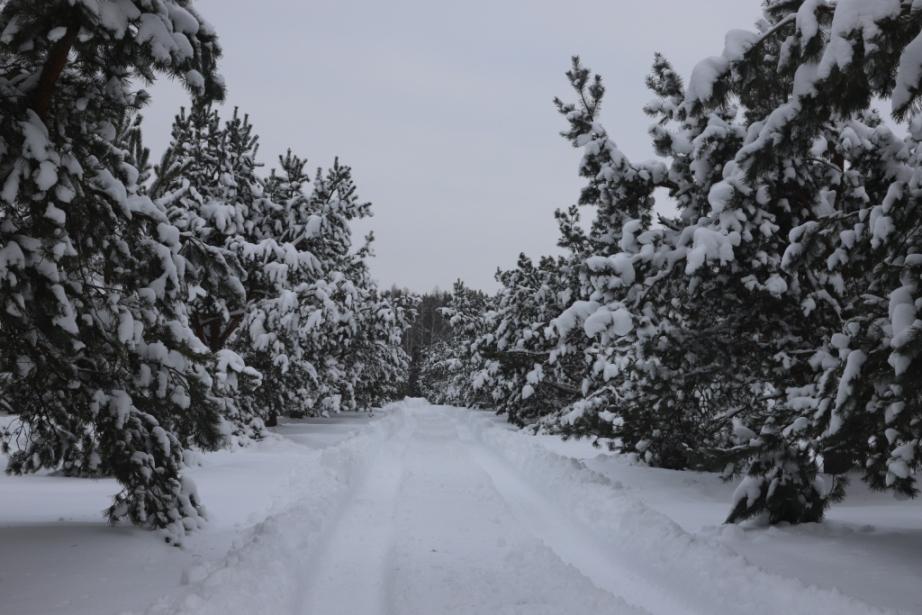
[
  {"x": 449, "y": 512},
  {"x": 423, "y": 510},
  {"x": 427, "y": 531}
]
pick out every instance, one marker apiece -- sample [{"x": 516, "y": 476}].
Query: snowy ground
[
  {"x": 429, "y": 510},
  {"x": 869, "y": 547}
]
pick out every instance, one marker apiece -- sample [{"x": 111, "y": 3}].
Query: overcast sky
[{"x": 444, "y": 109}]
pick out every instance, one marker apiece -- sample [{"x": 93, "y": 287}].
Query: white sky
[{"x": 444, "y": 109}]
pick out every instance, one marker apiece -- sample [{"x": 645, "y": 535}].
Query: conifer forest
[{"x": 234, "y": 380}]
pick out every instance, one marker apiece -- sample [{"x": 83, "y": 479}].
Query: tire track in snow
[
  {"x": 698, "y": 574},
  {"x": 571, "y": 542},
  {"x": 350, "y": 572},
  {"x": 460, "y": 550},
  {"x": 264, "y": 570}
]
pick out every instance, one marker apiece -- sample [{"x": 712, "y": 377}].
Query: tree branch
[{"x": 40, "y": 101}]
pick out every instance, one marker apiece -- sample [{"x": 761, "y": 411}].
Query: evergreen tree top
[{"x": 131, "y": 39}]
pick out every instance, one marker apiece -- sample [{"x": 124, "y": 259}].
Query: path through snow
[
  {"x": 434, "y": 510},
  {"x": 441, "y": 510}
]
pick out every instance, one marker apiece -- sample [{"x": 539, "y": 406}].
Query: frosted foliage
[
  {"x": 618, "y": 322},
  {"x": 854, "y": 17},
  {"x": 909, "y": 75},
  {"x": 112, "y": 380},
  {"x": 708, "y": 245},
  {"x": 707, "y": 72},
  {"x": 770, "y": 327}
]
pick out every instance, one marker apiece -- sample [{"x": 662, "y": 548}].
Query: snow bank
[
  {"x": 703, "y": 573},
  {"x": 265, "y": 571}
]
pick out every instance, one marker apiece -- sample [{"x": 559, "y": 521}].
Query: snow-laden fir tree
[
  {"x": 314, "y": 336},
  {"x": 769, "y": 327},
  {"x": 502, "y": 352},
  {"x": 853, "y": 256},
  {"x": 381, "y": 365},
  {"x": 269, "y": 336},
  {"x": 273, "y": 271},
  {"x": 207, "y": 181},
  {"x": 448, "y": 367},
  {"x": 621, "y": 196},
  {"x": 773, "y": 311},
  {"x": 100, "y": 360},
  {"x": 523, "y": 372},
  {"x": 656, "y": 378}
]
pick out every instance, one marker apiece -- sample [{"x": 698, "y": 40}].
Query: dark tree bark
[{"x": 54, "y": 65}]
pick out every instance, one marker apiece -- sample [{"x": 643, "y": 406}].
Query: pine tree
[
  {"x": 770, "y": 328},
  {"x": 853, "y": 256},
  {"x": 521, "y": 371},
  {"x": 207, "y": 181},
  {"x": 774, "y": 300},
  {"x": 427, "y": 329},
  {"x": 106, "y": 373},
  {"x": 625, "y": 378},
  {"x": 382, "y": 369},
  {"x": 678, "y": 353},
  {"x": 448, "y": 368},
  {"x": 322, "y": 334}
]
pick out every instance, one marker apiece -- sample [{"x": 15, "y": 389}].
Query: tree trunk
[{"x": 40, "y": 101}]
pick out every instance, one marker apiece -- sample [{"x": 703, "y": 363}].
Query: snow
[
  {"x": 168, "y": 234},
  {"x": 55, "y": 214},
  {"x": 183, "y": 20},
  {"x": 11, "y": 184},
  {"x": 46, "y": 176},
  {"x": 807, "y": 24},
  {"x": 114, "y": 189},
  {"x": 749, "y": 489},
  {"x": 720, "y": 196},
  {"x": 114, "y": 16},
  {"x": 851, "y": 17},
  {"x": 704, "y": 76},
  {"x": 618, "y": 321},
  {"x": 35, "y": 145},
  {"x": 629, "y": 232},
  {"x": 853, "y": 364},
  {"x": 867, "y": 548},
  {"x": 11, "y": 255},
  {"x": 577, "y": 313},
  {"x": 707, "y": 245},
  {"x": 423, "y": 509},
  {"x": 620, "y": 264},
  {"x": 737, "y": 43},
  {"x": 126, "y": 327},
  {"x": 121, "y": 406},
  {"x": 902, "y": 320},
  {"x": 164, "y": 45},
  {"x": 195, "y": 79},
  {"x": 908, "y": 75},
  {"x": 60, "y": 558},
  {"x": 776, "y": 285},
  {"x": 707, "y": 72}
]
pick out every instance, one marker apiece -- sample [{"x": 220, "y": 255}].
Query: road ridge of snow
[
  {"x": 357, "y": 545},
  {"x": 265, "y": 572},
  {"x": 571, "y": 542},
  {"x": 709, "y": 577}
]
